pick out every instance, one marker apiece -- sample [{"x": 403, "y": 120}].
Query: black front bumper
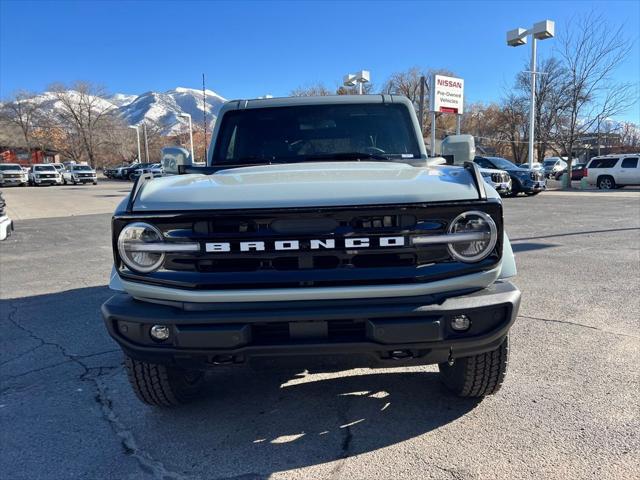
[{"x": 413, "y": 330}]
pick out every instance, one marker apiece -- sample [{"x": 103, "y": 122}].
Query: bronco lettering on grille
[{"x": 312, "y": 244}]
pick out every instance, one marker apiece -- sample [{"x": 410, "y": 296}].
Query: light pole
[
  {"x": 361, "y": 77},
  {"x": 186, "y": 115},
  {"x": 515, "y": 38},
  {"x": 135, "y": 127},
  {"x": 146, "y": 142}
]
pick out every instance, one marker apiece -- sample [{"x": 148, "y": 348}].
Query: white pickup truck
[{"x": 79, "y": 174}]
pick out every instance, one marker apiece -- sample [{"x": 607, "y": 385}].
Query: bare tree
[
  {"x": 512, "y": 126},
  {"x": 548, "y": 102},
  {"x": 21, "y": 110},
  {"x": 86, "y": 113},
  {"x": 315, "y": 90},
  {"x": 629, "y": 135},
  {"x": 591, "y": 53}
]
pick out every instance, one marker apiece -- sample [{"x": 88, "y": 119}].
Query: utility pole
[
  {"x": 146, "y": 141},
  {"x": 515, "y": 38},
  {"x": 421, "y": 106},
  {"x": 135, "y": 127},
  {"x": 204, "y": 120}
]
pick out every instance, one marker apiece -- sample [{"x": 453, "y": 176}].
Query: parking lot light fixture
[
  {"x": 187, "y": 115},
  {"x": 135, "y": 127},
  {"x": 358, "y": 78},
  {"x": 540, "y": 31}
]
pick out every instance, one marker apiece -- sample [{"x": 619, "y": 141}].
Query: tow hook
[
  {"x": 401, "y": 354},
  {"x": 222, "y": 360},
  {"x": 451, "y": 360}
]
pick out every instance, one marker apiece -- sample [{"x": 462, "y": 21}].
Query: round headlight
[
  {"x": 482, "y": 236},
  {"x": 135, "y": 249}
]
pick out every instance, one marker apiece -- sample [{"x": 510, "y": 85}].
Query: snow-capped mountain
[
  {"x": 162, "y": 108},
  {"x": 165, "y": 108},
  {"x": 121, "y": 99}
]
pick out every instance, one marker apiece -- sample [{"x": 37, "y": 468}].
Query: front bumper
[
  {"x": 47, "y": 181},
  {"x": 13, "y": 181},
  {"x": 532, "y": 186},
  {"x": 502, "y": 187},
  {"x": 411, "y": 330}
]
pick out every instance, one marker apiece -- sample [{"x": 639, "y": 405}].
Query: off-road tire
[
  {"x": 606, "y": 182},
  {"x": 163, "y": 386},
  {"x": 477, "y": 376}
]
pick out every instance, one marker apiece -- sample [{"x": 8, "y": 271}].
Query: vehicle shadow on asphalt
[{"x": 253, "y": 419}]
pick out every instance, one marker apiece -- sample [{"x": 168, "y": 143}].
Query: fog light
[
  {"x": 460, "y": 323},
  {"x": 160, "y": 332}
]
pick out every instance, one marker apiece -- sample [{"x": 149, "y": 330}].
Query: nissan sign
[{"x": 447, "y": 94}]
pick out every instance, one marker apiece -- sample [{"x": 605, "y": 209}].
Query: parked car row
[
  {"x": 46, "y": 174},
  {"x": 133, "y": 171}
]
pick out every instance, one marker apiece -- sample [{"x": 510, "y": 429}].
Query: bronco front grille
[{"x": 306, "y": 267}]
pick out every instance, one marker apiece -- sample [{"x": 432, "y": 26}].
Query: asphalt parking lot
[{"x": 569, "y": 408}]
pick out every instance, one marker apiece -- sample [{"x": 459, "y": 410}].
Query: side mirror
[
  {"x": 173, "y": 158},
  {"x": 458, "y": 149}
]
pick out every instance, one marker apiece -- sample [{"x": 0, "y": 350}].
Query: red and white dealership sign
[{"x": 447, "y": 94}]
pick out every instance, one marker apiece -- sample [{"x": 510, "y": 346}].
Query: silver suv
[{"x": 614, "y": 171}]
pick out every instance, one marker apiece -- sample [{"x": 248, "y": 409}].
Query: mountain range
[{"x": 163, "y": 108}]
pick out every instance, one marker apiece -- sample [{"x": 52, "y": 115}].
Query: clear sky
[{"x": 248, "y": 49}]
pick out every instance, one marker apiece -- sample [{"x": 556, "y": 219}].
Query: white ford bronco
[{"x": 318, "y": 227}]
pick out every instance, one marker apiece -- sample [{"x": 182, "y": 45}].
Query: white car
[
  {"x": 156, "y": 170},
  {"x": 6, "y": 224},
  {"x": 79, "y": 174},
  {"x": 614, "y": 171},
  {"x": 498, "y": 179},
  {"x": 58, "y": 166},
  {"x": 553, "y": 165},
  {"x": 12, "y": 174},
  {"x": 44, "y": 174}
]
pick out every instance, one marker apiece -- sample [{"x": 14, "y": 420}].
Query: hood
[
  {"x": 12, "y": 170},
  {"x": 318, "y": 184}
]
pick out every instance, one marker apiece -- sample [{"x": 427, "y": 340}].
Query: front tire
[
  {"x": 163, "y": 386},
  {"x": 477, "y": 376}
]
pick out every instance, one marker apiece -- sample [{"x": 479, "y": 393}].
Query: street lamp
[
  {"x": 135, "y": 127},
  {"x": 186, "y": 115},
  {"x": 360, "y": 78},
  {"x": 515, "y": 38}
]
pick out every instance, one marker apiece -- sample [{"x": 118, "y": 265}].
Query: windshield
[
  {"x": 82, "y": 168},
  {"x": 502, "y": 163},
  {"x": 45, "y": 168},
  {"x": 316, "y": 132},
  {"x": 8, "y": 166},
  {"x": 549, "y": 163}
]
